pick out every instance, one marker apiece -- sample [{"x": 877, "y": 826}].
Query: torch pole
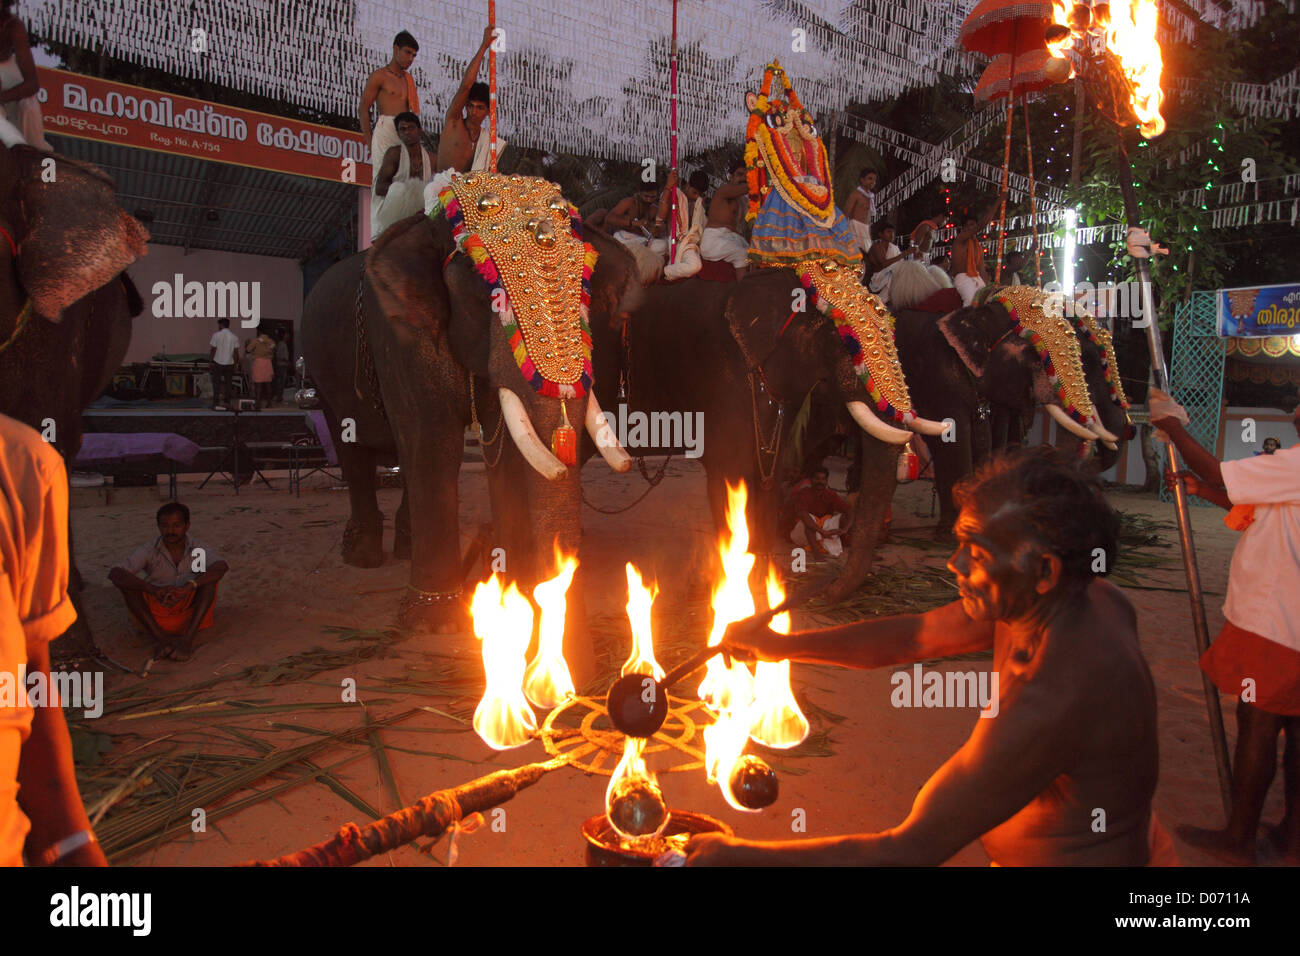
[
  {"x": 672, "y": 141},
  {"x": 492, "y": 89},
  {"x": 1218, "y": 737}
]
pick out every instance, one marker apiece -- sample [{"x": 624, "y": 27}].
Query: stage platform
[{"x": 204, "y": 427}]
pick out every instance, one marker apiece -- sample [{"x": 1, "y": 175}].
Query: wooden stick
[
  {"x": 492, "y": 89},
  {"x": 431, "y": 816},
  {"x": 1033, "y": 205}
]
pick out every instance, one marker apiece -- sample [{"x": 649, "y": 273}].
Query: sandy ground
[{"x": 288, "y": 585}]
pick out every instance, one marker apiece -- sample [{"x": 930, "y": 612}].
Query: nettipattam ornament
[
  {"x": 525, "y": 240},
  {"x": 1053, "y": 337},
  {"x": 867, "y": 329},
  {"x": 1088, "y": 325}
]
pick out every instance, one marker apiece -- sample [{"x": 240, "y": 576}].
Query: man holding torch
[
  {"x": 1075, "y": 727},
  {"x": 1256, "y": 656}
]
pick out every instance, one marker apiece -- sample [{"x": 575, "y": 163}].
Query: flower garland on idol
[
  {"x": 473, "y": 246},
  {"x": 767, "y": 152}
]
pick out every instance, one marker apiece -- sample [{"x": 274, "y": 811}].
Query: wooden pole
[
  {"x": 492, "y": 89},
  {"x": 1006, "y": 170},
  {"x": 431, "y": 816},
  {"x": 1033, "y": 205},
  {"x": 672, "y": 141}
]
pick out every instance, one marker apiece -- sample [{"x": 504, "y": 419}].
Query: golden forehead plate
[
  {"x": 544, "y": 279},
  {"x": 874, "y": 327},
  {"x": 1059, "y": 338},
  {"x": 1107, "y": 342}
]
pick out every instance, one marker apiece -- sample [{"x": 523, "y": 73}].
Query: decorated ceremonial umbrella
[
  {"x": 1014, "y": 77},
  {"x": 1014, "y": 28}
]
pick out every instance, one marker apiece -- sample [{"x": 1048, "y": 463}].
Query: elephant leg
[
  {"x": 953, "y": 461},
  {"x": 430, "y": 456},
  {"x": 879, "y": 479},
  {"x": 363, "y": 537},
  {"x": 402, "y": 526}
]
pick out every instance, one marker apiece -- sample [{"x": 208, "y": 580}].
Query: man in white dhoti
[
  {"x": 639, "y": 223},
  {"x": 881, "y": 260},
  {"x": 399, "y": 185},
  {"x": 860, "y": 210},
  {"x": 721, "y": 242},
  {"x": 390, "y": 90},
  {"x": 691, "y": 217}
]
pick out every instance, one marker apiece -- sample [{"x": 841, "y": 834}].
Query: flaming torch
[
  {"x": 777, "y": 721},
  {"x": 1121, "y": 66}
]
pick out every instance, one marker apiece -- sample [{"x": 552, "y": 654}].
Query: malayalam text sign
[
  {"x": 1259, "y": 311},
  {"x": 85, "y": 106}
]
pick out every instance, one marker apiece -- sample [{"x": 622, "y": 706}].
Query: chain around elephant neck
[
  {"x": 478, "y": 427},
  {"x": 365, "y": 362},
  {"x": 773, "y": 445}
]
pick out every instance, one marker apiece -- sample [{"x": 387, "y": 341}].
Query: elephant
[
  {"x": 972, "y": 362},
  {"x": 67, "y": 306},
  {"x": 740, "y": 355},
  {"x": 442, "y": 358}
]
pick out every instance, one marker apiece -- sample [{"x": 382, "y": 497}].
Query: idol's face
[{"x": 993, "y": 563}]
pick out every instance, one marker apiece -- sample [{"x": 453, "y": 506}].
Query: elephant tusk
[
  {"x": 1110, "y": 444},
  {"x": 870, "y": 423},
  {"x": 1069, "y": 424},
  {"x": 604, "y": 437},
  {"x": 1101, "y": 432},
  {"x": 924, "y": 426},
  {"x": 525, "y": 436}
]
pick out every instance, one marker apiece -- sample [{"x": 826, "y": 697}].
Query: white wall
[
  {"x": 280, "y": 290},
  {"x": 1269, "y": 423}
]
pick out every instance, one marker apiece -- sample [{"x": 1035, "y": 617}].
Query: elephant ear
[
  {"x": 973, "y": 332},
  {"x": 405, "y": 267},
  {"x": 76, "y": 238}
]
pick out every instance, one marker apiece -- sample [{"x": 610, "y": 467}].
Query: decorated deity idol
[{"x": 791, "y": 201}]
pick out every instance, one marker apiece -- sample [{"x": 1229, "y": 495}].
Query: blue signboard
[{"x": 1260, "y": 311}]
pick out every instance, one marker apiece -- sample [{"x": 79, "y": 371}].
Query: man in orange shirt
[{"x": 41, "y": 814}]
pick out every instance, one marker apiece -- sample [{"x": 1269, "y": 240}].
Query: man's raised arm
[
  {"x": 877, "y": 642},
  {"x": 458, "y": 101}
]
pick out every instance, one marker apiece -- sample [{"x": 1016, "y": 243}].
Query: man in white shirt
[
  {"x": 1256, "y": 656},
  {"x": 174, "y": 598},
  {"x": 41, "y": 813},
  {"x": 221, "y": 352}
]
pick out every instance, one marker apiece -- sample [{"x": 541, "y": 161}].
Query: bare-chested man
[
  {"x": 721, "y": 240},
  {"x": 458, "y": 147},
  {"x": 969, "y": 273},
  {"x": 390, "y": 90},
  {"x": 860, "y": 210},
  {"x": 1075, "y": 725}
]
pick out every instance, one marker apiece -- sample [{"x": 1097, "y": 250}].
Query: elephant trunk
[
  {"x": 525, "y": 437},
  {"x": 870, "y": 423},
  {"x": 879, "y": 479}
]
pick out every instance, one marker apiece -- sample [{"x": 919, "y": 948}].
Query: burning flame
[
  {"x": 1131, "y": 36},
  {"x": 639, "y": 601},
  {"x": 504, "y": 623},
  {"x": 776, "y": 720},
  {"x": 729, "y": 691},
  {"x": 1130, "y": 31},
  {"x": 547, "y": 681},
  {"x": 631, "y": 767}
]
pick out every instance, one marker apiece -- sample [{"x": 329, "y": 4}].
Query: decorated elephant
[
  {"x": 988, "y": 367},
  {"x": 745, "y": 356},
  {"x": 66, "y": 307},
  {"x": 476, "y": 312}
]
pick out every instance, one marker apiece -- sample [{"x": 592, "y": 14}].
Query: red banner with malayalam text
[{"x": 90, "y": 108}]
